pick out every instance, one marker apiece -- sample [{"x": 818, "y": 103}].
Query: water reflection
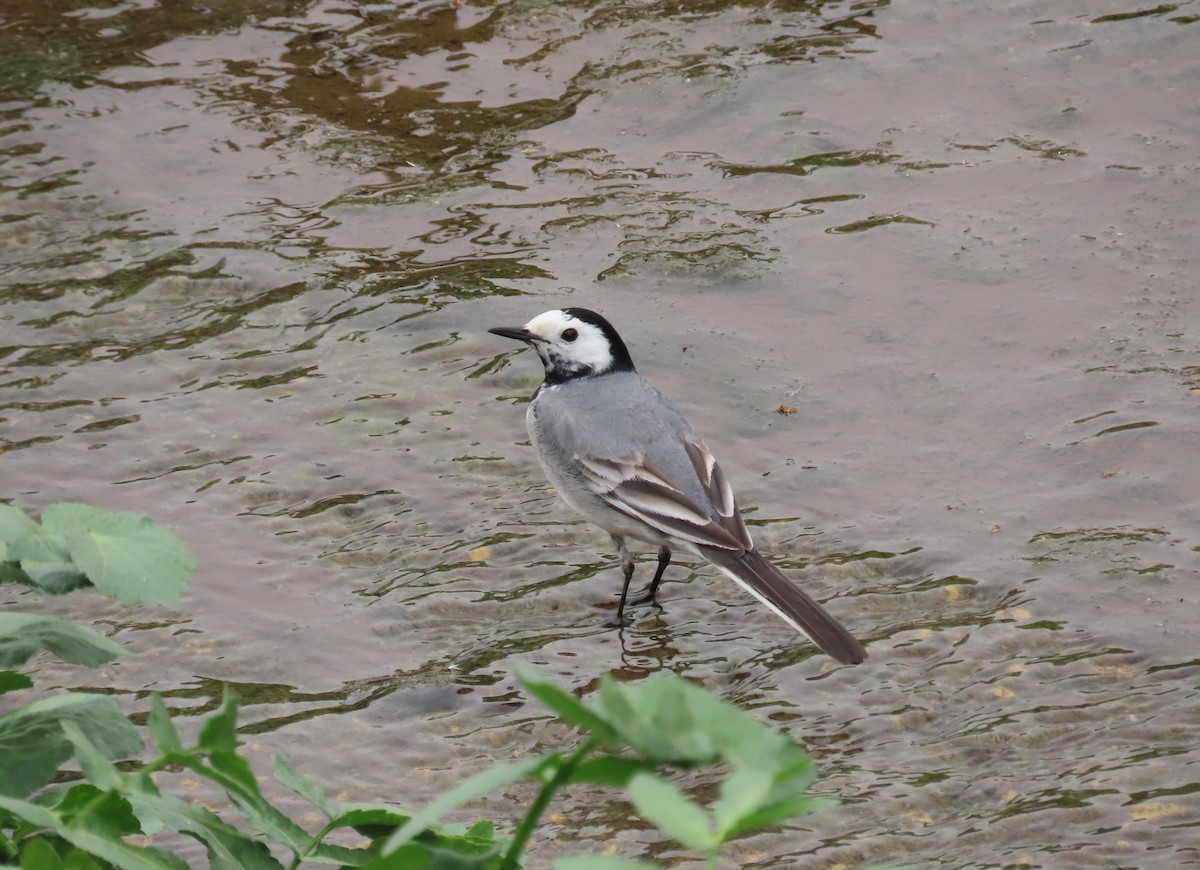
[{"x": 249, "y": 250}]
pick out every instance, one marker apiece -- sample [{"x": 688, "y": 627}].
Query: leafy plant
[
  {"x": 629, "y": 733},
  {"x": 125, "y": 555}
]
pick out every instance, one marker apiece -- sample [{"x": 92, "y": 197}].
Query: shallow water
[{"x": 250, "y": 253}]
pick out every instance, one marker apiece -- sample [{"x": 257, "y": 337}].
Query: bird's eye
[{"x": 570, "y": 335}]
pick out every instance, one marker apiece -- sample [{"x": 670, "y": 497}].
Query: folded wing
[{"x": 635, "y": 486}]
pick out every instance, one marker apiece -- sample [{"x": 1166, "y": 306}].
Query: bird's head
[{"x": 573, "y": 343}]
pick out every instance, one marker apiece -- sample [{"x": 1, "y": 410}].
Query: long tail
[{"x": 768, "y": 584}]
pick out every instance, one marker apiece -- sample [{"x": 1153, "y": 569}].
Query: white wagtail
[{"x": 622, "y": 455}]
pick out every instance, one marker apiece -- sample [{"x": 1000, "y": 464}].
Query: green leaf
[
  {"x": 665, "y": 806},
  {"x": 11, "y": 681},
  {"x": 38, "y": 854},
  {"x": 126, "y": 555},
  {"x": 54, "y": 578},
  {"x": 119, "y": 853},
  {"x": 263, "y": 816},
  {"x": 742, "y": 794},
  {"x": 670, "y": 721},
  {"x": 742, "y": 740},
  {"x": 656, "y": 717},
  {"x": 227, "y": 846},
  {"x": 595, "y": 862},
  {"x": 473, "y": 848},
  {"x": 233, "y": 773},
  {"x": 23, "y": 634},
  {"x": 370, "y": 820},
  {"x": 83, "y": 800},
  {"x": 40, "y": 550},
  {"x": 482, "y": 783},
  {"x": 10, "y": 571},
  {"x": 795, "y": 773},
  {"x": 15, "y": 524},
  {"x": 566, "y": 705},
  {"x": 25, "y": 539},
  {"x": 219, "y": 732},
  {"x": 484, "y": 829},
  {"x": 612, "y": 704},
  {"x": 611, "y": 770},
  {"x": 343, "y": 856},
  {"x": 410, "y": 856},
  {"x": 773, "y": 814},
  {"x": 98, "y": 769},
  {"x": 302, "y": 785},
  {"x": 39, "y": 817},
  {"x": 32, "y": 743},
  {"x": 162, "y": 729},
  {"x": 77, "y": 860}
]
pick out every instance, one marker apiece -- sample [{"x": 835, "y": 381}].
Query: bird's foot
[
  {"x": 615, "y": 621},
  {"x": 647, "y": 594},
  {"x": 622, "y": 619}
]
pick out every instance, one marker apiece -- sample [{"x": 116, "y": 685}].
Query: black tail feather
[{"x": 800, "y": 610}]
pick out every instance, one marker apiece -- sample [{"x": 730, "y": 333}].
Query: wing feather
[
  {"x": 720, "y": 493},
  {"x": 634, "y": 486}
]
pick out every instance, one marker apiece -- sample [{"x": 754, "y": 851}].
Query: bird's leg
[
  {"x": 627, "y": 570},
  {"x": 647, "y": 594}
]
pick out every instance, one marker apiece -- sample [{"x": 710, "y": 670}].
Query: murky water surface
[{"x": 249, "y": 254}]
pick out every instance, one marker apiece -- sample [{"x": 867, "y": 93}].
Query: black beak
[{"x": 517, "y": 332}]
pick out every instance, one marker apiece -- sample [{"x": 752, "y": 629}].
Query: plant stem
[
  {"x": 299, "y": 856},
  {"x": 560, "y": 778}
]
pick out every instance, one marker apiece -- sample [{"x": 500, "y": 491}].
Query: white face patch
[{"x": 569, "y": 345}]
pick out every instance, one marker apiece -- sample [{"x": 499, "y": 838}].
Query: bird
[{"x": 623, "y": 456}]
